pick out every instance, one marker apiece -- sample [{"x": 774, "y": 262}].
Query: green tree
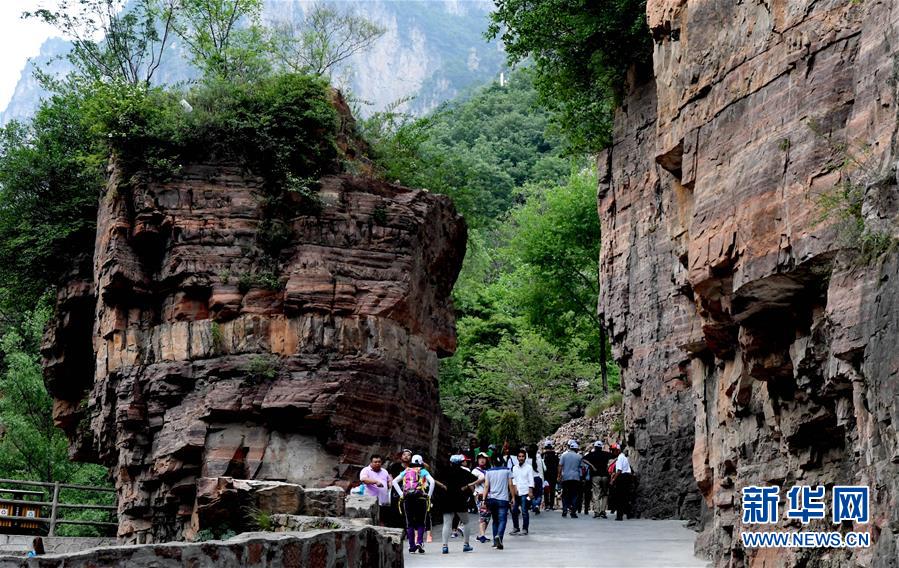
[
  {"x": 509, "y": 427},
  {"x": 133, "y": 36},
  {"x": 554, "y": 241},
  {"x": 477, "y": 150},
  {"x": 327, "y": 36},
  {"x": 31, "y": 447},
  {"x": 224, "y": 37},
  {"x": 582, "y": 50},
  {"x": 51, "y": 174},
  {"x": 487, "y": 426}
]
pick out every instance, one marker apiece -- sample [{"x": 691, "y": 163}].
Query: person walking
[
  {"x": 551, "y": 473},
  {"x": 522, "y": 492},
  {"x": 508, "y": 460},
  {"x": 480, "y": 497},
  {"x": 586, "y": 493},
  {"x": 615, "y": 451},
  {"x": 539, "y": 469},
  {"x": 459, "y": 486},
  {"x": 570, "y": 478},
  {"x": 415, "y": 485},
  {"x": 598, "y": 460},
  {"x": 395, "y": 515},
  {"x": 376, "y": 481},
  {"x": 622, "y": 480},
  {"x": 498, "y": 488}
]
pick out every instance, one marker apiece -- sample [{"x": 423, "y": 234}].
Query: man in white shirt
[
  {"x": 523, "y": 484},
  {"x": 622, "y": 481}
]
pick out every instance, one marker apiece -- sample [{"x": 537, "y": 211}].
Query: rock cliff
[
  {"x": 755, "y": 347},
  {"x": 193, "y": 351}
]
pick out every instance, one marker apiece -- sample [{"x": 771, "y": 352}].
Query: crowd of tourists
[{"x": 482, "y": 487}]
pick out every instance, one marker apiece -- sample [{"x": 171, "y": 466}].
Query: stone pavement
[{"x": 574, "y": 543}]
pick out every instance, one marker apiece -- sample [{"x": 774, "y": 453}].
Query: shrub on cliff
[
  {"x": 582, "y": 50},
  {"x": 278, "y": 126}
]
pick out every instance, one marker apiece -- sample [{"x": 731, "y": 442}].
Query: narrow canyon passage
[{"x": 574, "y": 543}]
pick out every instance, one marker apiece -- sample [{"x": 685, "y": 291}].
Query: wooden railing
[{"x": 20, "y": 503}]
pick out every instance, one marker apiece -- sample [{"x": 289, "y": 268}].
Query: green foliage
[
  {"x": 845, "y": 203},
  {"x": 610, "y": 400},
  {"x": 509, "y": 427},
  {"x": 263, "y": 367},
  {"x": 224, "y": 37},
  {"x": 219, "y": 532},
  {"x": 278, "y": 126},
  {"x": 487, "y": 422},
  {"x": 134, "y": 36},
  {"x": 267, "y": 280},
  {"x": 51, "y": 172},
  {"x": 257, "y": 519},
  {"x": 379, "y": 215},
  {"x": 218, "y": 337},
  {"x": 582, "y": 50},
  {"x": 554, "y": 245},
  {"x": 329, "y": 35},
  {"x": 477, "y": 151},
  {"x": 31, "y": 447}
]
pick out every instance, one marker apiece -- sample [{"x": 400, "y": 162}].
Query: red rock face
[
  {"x": 192, "y": 354},
  {"x": 752, "y": 351}
]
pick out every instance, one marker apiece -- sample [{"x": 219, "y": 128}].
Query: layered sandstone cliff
[
  {"x": 755, "y": 348},
  {"x": 193, "y": 351}
]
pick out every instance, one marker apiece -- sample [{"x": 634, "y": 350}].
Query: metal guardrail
[{"x": 54, "y": 504}]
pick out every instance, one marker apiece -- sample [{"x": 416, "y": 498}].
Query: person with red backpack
[{"x": 415, "y": 486}]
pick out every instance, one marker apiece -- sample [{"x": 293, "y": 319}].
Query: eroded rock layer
[
  {"x": 755, "y": 347},
  {"x": 219, "y": 338}
]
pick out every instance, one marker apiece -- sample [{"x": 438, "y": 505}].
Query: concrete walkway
[{"x": 574, "y": 543}]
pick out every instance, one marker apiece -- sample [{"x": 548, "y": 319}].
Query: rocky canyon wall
[
  {"x": 190, "y": 354},
  {"x": 756, "y": 348}
]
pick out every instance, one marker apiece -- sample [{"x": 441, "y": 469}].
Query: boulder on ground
[
  {"x": 325, "y": 502},
  {"x": 363, "y": 507}
]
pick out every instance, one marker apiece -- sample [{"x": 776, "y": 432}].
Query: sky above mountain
[{"x": 20, "y": 39}]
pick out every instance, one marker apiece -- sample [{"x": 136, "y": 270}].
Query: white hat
[
  {"x": 597, "y": 444},
  {"x": 417, "y": 460},
  {"x": 571, "y": 444},
  {"x": 456, "y": 458}
]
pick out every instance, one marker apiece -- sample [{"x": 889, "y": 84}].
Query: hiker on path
[
  {"x": 551, "y": 472},
  {"x": 570, "y": 478},
  {"x": 376, "y": 482},
  {"x": 480, "y": 496},
  {"x": 395, "y": 515},
  {"x": 459, "y": 486},
  {"x": 508, "y": 460},
  {"x": 598, "y": 460},
  {"x": 498, "y": 487},
  {"x": 539, "y": 473},
  {"x": 615, "y": 450},
  {"x": 415, "y": 486},
  {"x": 622, "y": 481},
  {"x": 523, "y": 492},
  {"x": 586, "y": 492}
]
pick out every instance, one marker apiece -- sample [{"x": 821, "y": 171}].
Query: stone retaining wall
[{"x": 363, "y": 548}]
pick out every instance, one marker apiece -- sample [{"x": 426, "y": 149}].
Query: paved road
[{"x": 574, "y": 543}]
